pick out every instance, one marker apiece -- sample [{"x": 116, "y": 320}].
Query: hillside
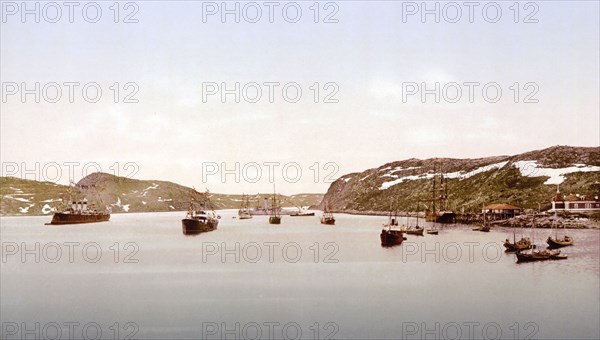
[
  {"x": 525, "y": 180},
  {"x": 28, "y": 197}
]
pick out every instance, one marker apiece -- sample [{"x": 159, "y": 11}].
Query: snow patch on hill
[
  {"x": 453, "y": 175},
  {"x": 557, "y": 176}
]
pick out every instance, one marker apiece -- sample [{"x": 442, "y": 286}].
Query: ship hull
[
  {"x": 391, "y": 238},
  {"x": 302, "y": 214},
  {"x": 192, "y": 226},
  {"x": 554, "y": 244},
  {"x": 263, "y": 212},
  {"x": 414, "y": 231},
  {"x": 275, "y": 220},
  {"x": 328, "y": 221},
  {"x": 516, "y": 247},
  {"x": 441, "y": 217},
  {"x": 70, "y": 218},
  {"x": 540, "y": 256},
  {"x": 244, "y": 215}
]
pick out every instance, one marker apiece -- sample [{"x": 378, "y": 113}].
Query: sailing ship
[
  {"x": 522, "y": 244},
  {"x": 244, "y": 211},
  {"x": 485, "y": 227},
  {"x": 327, "y": 217},
  {"x": 275, "y": 217},
  {"x": 266, "y": 210},
  {"x": 558, "y": 242},
  {"x": 201, "y": 220},
  {"x": 439, "y": 196},
  {"x": 79, "y": 212},
  {"x": 413, "y": 230},
  {"x": 542, "y": 255},
  {"x": 390, "y": 237}
]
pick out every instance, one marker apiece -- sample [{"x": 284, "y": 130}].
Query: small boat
[
  {"x": 554, "y": 243},
  {"x": 244, "y": 211},
  {"x": 485, "y": 227},
  {"x": 535, "y": 255},
  {"x": 275, "y": 217},
  {"x": 301, "y": 213},
  {"x": 433, "y": 230},
  {"x": 327, "y": 217},
  {"x": 558, "y": 242},
  {"x": 390, "y": 237},
  {"x": 523, "y": 244},
  {"x": 542, "y": 255},
  {"x": 199, "y": 221},
  {"x": 412, "y": 230}
]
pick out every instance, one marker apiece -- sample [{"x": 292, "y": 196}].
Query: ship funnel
[{"x": 266, "y": 203}]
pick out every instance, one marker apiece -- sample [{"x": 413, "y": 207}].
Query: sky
[{"x": 167, "y": 72}]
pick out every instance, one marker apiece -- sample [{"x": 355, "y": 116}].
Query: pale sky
[{"x": 371, "y": 55}]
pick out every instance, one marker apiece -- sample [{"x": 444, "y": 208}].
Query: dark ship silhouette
[{"x": 79, "y": 212}]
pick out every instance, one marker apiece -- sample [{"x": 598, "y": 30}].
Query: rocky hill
[
  {"x": 527, "y": 180},
  {"x": 28, "y": 197}
]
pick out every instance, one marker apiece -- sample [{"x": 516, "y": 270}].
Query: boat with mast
[
  {"x": 522, "y": 244},
  {"x": 534, "y": 255},
  {"x": 557, "y": 242},
  {"x": 199, "y": 220},
  {"x": 413, "y": 230},
  {"x": 486, "y": 226},
  {"x": 275, "y": 217},
  {"x": 244, "y": 211},
  {"x": 79, "y": 212},
  {"x": 439, "y": 200},
  {"x": 389, "y": 236},
  {"x": 327, "y": 217}
]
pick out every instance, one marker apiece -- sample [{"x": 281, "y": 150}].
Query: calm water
[{"x": 138, "y": 274}]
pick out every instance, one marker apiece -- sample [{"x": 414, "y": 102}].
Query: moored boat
[
  {"x": 391, "y": 237},
  {"x": 201, "y": 220},
  {"x": 413, "y": 230},
  {"x": 558, "y": 242},
  {"x": 244, "y": 211},
  {"x": 535, "y": 255},
  {"x": 79, "y": 212},
  {"x": 275, "y": 217},
  {"x": 440, "y": 200},
  {"x": 302, "y": 214},
  {"x": 523, "y": 244},
  {"x": 542, "y": 255},
  {"x": 327, "y": 217}
]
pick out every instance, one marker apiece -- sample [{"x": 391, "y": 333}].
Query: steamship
[
  {"x": 79, "y": 212},
  {"x": 266, "y": 210},
  {"x": 199, "y": 221}
]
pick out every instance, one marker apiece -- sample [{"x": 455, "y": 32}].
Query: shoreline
[{"x": 542, "y": 221}]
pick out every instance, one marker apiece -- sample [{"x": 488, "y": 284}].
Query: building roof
[
  {"x": 501, "y": 206},
  {"x": 572, "y": 198}
]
